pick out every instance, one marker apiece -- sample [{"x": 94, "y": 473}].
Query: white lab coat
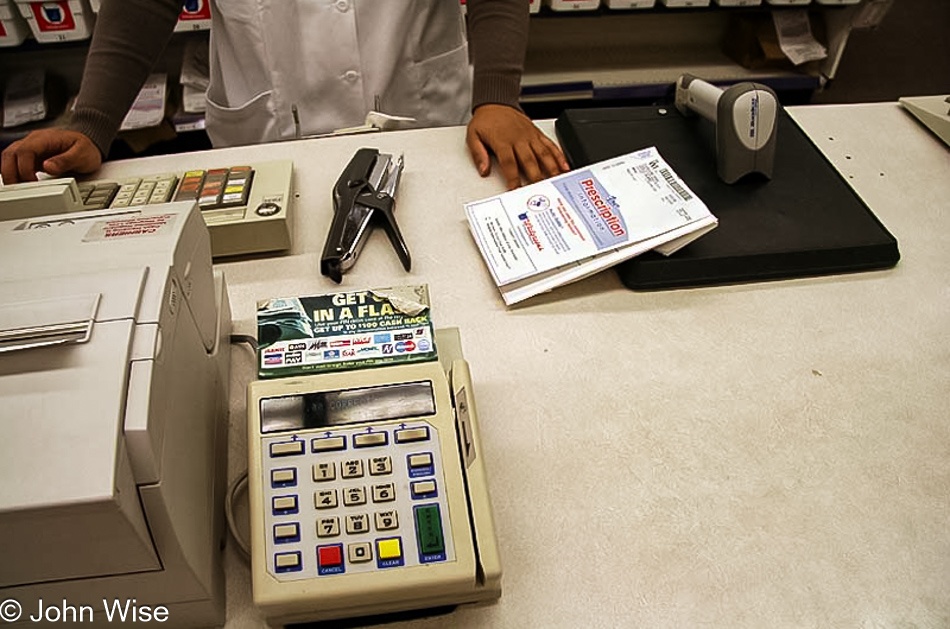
[{"x": 333, "y": 59}]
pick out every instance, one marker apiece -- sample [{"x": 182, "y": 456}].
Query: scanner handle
[{"x": 696, "y": 95}]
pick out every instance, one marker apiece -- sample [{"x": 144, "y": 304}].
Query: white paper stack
[{"x": 560, "y": 230}]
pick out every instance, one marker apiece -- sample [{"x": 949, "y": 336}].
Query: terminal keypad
[{"x": 354, "y": 500}]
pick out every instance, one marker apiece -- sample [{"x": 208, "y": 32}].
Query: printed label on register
[{"x": 138, "y": 225}]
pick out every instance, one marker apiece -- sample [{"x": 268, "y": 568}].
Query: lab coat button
[
  {"x": 351, "y": 75},
  {"x": 342, "y": 6}
]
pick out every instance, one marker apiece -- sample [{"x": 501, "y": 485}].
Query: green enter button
[{"x": 429, "y": 530}]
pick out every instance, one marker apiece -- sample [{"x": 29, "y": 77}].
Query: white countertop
[{"x": 764, "y": 455}]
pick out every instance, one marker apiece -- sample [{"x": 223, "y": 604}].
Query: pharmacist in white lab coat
[{"x": 287, "y": 68}]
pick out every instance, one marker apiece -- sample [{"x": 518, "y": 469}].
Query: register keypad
[
  {"x": 216, "y": 188},
  {"x": 129, "y": 192},
  {"x": 353, "y": 500}
]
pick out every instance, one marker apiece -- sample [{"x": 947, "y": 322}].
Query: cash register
[
  {"x": 114, "y": 376},
  {"x": 246, "y": 206}
]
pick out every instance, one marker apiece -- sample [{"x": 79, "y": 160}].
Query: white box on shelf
[
  {"x": 57, "y": 20},
  {"x": 13, "y": 29},
  {"x": 738, "y": 3},
  {"x": 534, "y": 6},
  {"x": 678, "y": 4},
  {"x": 573, "y": 5},
  {"x": 629, "y": 4}
]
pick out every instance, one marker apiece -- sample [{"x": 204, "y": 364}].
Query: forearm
[
  {"x": 498, "y": 39},
  {"x": 129, "y": 37}
]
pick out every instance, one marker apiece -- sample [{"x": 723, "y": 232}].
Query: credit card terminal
[{"x": 368, "y": 492}]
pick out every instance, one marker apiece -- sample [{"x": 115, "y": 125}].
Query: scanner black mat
[{"x": 805, "y": 221}]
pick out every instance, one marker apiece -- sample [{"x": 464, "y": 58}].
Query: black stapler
[{"x": 364, "y": 194}]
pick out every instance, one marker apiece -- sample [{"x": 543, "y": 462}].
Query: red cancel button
[{"x": 330, "y": 556}]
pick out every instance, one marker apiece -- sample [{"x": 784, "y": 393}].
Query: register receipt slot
[{"x": 368, "y": 492}]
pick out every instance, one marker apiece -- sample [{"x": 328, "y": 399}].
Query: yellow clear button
[{"x": 389, "y": 548}]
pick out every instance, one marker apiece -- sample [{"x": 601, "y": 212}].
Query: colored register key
[
  {"x": 330, "y": 556},
  {"x": 237, "y": 187},
  {"x": 389, "y": 548},
  {"x": 190, "y": 185},
  {"x": 213, "y": 188},
  {"x": 429, "y": 529}
]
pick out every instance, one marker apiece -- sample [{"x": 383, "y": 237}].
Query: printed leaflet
[{"x": 560, "y": 230}]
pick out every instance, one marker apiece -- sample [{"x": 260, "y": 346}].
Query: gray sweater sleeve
[
  {"x": 129, "y": 37},
  {"x": 498, "y": 39}
]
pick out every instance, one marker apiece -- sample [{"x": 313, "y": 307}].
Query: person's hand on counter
[
  {"x": 53, "y": 151},
  {"x": 522, "y": 150}
]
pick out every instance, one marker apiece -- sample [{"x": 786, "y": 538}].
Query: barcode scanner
[{"x": 745, "y": 118}]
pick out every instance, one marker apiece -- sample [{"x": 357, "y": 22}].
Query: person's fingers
[
  {"x": 26, "y": 165},
  {"x": 508, "y": 164},
  {"x": 18, "y": 163},
  {"x": 478, "y": 152},
  {"x": 523, "y": 152},
  {"x": 8, "y": 164},
  {"x": 528, "y": 160},
  {"x": 553, "y": 158},
  {"x": 80, "y": 158},
  {"x": 56, "y": 151}
]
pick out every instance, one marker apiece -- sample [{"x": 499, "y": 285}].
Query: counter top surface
[{"x": 773, "y": 454}]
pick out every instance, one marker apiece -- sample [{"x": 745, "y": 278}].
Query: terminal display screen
[{"x": 323, "y": 409}]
